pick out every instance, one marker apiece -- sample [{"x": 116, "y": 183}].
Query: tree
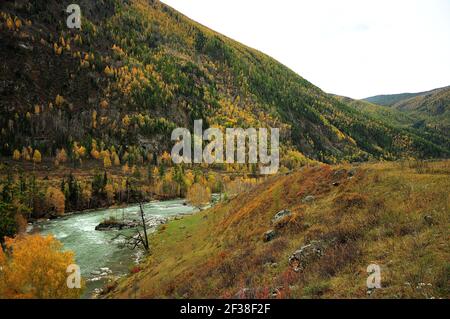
[
  {"x": 107, "y": 162},
  {"x": 59, "y": 100},
  {"x": 109, "y": 189},
  {"x": 198, "y": 195},
  {"x": 35, "y": 267},
  {"x": 200, "y": 41},
  {"x": 26, "y": 154},
  {"x": 116, "y": 159},
  {"x": 55, "y": 200},
  {"x": 8, "y": 222},
  {"x": 16, "y": 155},
  {"x": 95, "y": 154},
  {"x": 125, "y": 168},
  {"x": 140, "y": 239},
  {"x": 61, "y": 156},
  {"x": 37, "y": 157}
]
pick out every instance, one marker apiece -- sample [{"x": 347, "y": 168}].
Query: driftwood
[{"x": 139, "y": 239}]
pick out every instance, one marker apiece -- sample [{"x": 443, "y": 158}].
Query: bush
[{"x": 35, "y": 267}]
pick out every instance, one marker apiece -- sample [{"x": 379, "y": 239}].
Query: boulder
[
  {"x": 429, "y": 220},
  {"x": 352, "y": 172},
  {"x": 340, "y": 173},
  {"x": 269, "y": 235},
  {"x": 280, "y": 215},
  {"x": 306, "y": 254},
  {"x": 308, "y": 199}
]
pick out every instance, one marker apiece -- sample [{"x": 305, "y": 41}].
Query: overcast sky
[{"x": 356, "y": 48}]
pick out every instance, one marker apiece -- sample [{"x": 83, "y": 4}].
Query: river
[{"x": 98, "y": 256}]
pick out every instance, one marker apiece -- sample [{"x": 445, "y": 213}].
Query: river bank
[{"x": 102, "y": 256}]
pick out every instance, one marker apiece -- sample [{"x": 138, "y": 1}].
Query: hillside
[
  {"x": 138, "y": 69},
  {"x": 431, "y": 108},
  {"x": 394, "y": 215},
  {"x": 391, "y": 99},
  {"x": 417, "y": 123}
]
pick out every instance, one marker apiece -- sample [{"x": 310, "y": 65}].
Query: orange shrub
[{"x": 35, "y": 267}]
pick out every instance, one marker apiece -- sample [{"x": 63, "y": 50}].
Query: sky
[{"x": 355, "y": 48}]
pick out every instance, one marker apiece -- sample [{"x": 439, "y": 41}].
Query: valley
[{"x": 89, "y": 118}]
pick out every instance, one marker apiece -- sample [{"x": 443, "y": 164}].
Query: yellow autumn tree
[
  {"x": 109, "y": 189},
  {"x": 198, "y": 195},
  {"x": 59, "y": 100},
  {"x": 95, "y": 154},
  {"x": 26, "y": 154},
  {"x": 10, "y": 23},
  {"x": 37, "y": 157},
  {"x": 16, "y": 155},
  {"x": 125, "y": 169},
  {"x": 189, "y": 179},
  {"x": 55, "y": 200},
  {"x": 115, "y": 159},
  {"x": 107, "y": 162},
  {"x": 18, "y": 23},
  {"x": 33, "y": 266},
  {"x": 61, "y": 156},
  {"x": 104, "y": 104}
]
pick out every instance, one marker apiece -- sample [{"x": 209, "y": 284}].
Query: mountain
[
  {"x": 138, "y": 69},
  {"x": 431, "y": 108},
  {"x": 320, "y": 248},
  {"x": 391, "y": 99},
  {"x": 413, "y": 122}
]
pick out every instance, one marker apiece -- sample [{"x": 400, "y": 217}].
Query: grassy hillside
[
  {"x": 391, "y": 214},
  {"x": 391, "y": 99},
  {"x": 417, "y": 122},
  {"x": 137, "y": 69},
  {"x": 430, "y": 109}
]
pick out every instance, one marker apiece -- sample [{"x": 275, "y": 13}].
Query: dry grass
[{"x": 390, "y": 214}]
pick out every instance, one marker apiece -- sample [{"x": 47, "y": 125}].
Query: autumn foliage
[
  {"x": 35, "y": 267},
  {"x": 55, "y": 200},
  {"x": 198, "y": 195}
]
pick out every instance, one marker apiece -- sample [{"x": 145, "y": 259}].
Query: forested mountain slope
[
  {"x": 431, "y": 108},
  {"x": 137, "y": 69},
  {"x": 415, "y": 122}
]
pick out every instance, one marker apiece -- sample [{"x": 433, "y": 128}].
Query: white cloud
[{"x": 349, "y": 47}]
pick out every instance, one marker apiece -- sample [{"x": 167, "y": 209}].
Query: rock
[
  {"x": 269, "y": 235},
  {"x": 114, "y": 224},
  {"x": 340, "y": 173},
  {"x": 429, "y": 220},
  {"x": 106, "y": 269},
  {"x": 275, "y": 292},
  {"x": 302, "y": 257},
  {"x": 308, "y": 199},
  {"x": 153, "y": 221},
  {"x": 280, "y": 215},
  {"x": 25, "y": 47},
  {"x": 245, "y": 293}
]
